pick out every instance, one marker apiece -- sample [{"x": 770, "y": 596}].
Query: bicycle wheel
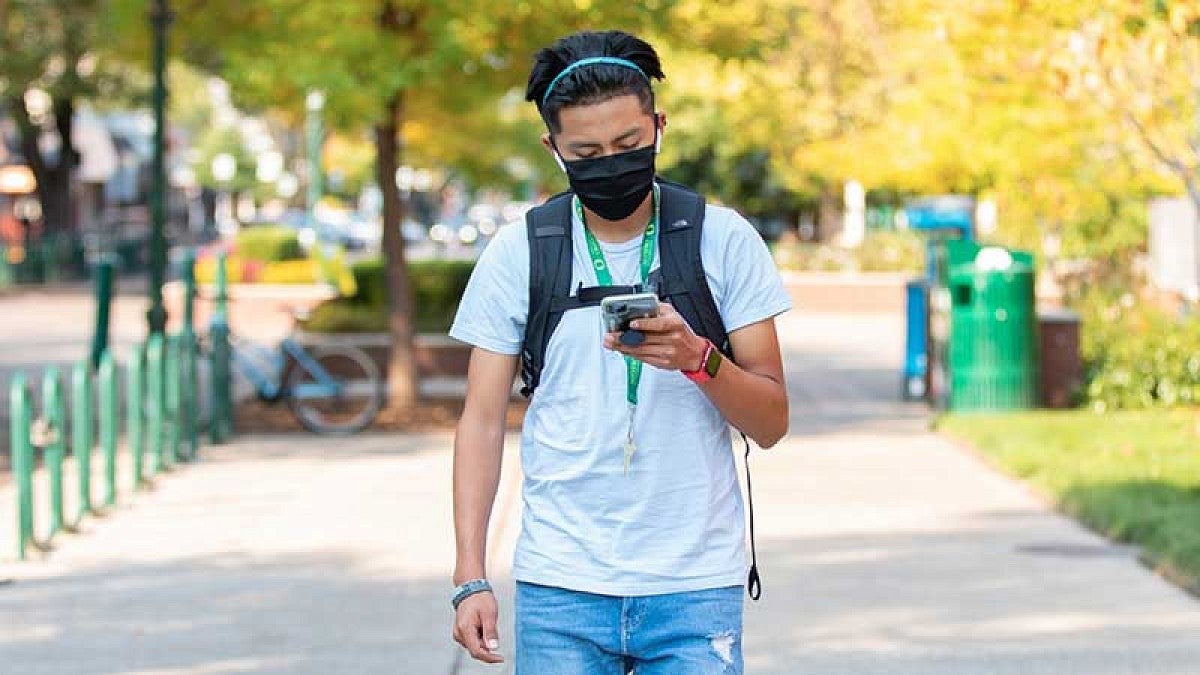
[{"x": 344, "y": 402}]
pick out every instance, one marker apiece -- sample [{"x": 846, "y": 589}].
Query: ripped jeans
[{"x": 564, "y": 632}]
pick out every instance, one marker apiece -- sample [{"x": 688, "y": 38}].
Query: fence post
[
  {"x": 20, "y": 420},
  {"x": 81, "y": 433},
  {"x": 222, "y": 379},
  {"x": 171, "y": 395},
  {"x": 135, "y": 411},
  {"x": 190, "y": 373},
  {"x": 104, "y": 293},
  {"x": 155, "y": 403},
  {"x": 109, "y": 427},
  {"x": 53, "y": 442}
]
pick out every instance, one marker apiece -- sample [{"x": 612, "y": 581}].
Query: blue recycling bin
[{"x": 916, "y": 340}]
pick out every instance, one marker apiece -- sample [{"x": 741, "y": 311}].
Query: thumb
[{"x": 491, "y": 636}]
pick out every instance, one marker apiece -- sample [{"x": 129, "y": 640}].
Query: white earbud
[{"x": 558, "y": 158}]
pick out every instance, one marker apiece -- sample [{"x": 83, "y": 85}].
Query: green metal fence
[{"x": 161, "y": 429}]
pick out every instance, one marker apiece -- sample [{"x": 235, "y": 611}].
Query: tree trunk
[{"x": 402, "y": 369}]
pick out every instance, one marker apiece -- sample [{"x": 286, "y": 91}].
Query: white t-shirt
[{"x": 675, "y": 522}]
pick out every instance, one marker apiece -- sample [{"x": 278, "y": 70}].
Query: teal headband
[{"x": 611, "y": 60}]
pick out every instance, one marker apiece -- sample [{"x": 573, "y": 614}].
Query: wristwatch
[{"x": 710, "y": 363}]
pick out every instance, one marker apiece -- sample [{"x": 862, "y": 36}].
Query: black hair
[{"x": 593, "y": 83}]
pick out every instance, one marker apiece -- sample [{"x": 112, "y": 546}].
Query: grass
[{"x": 1133, "y": 476}]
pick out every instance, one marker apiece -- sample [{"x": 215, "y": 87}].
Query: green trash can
[{"x": 993, "y": 332}]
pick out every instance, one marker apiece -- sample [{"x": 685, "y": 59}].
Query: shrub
[
  {"x": 1139, "y": 357},
  {"x": 315, "y": 270},
  {"x": 437, "y": 287},
  {"x": 370, "y": 282},
  {"x": 269, "y": 243},
  {"x": 899, "y": 251},
  {"x": 333, "y": 270},
  {"x": 290, "y": 272},
  {"x": 339, "y": 316},
  {"x": 803, "y": 257}
]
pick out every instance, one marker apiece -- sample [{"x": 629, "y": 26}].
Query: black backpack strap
[
  {"x": 550, "y": 259},
  {"x": 682, "y": 278}
]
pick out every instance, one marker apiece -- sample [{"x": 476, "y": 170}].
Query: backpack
[{"x": 680, "y": 279}]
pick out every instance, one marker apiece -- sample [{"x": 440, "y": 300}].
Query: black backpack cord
[{"x": 753, "y": 581}]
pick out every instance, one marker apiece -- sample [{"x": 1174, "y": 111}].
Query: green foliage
[
  {"x": 437, "y": 286},
  {"x": 806, "y": 257},
  {"x": 1133, "y": 476},
  {"x": 886, "y": 251},
  {"x": 1139, "y": 357},
  {"x": 267, "y": 243},
  {"x": 896, "y": 251},
  {"x": 339, "y": 316},
  {"x": 334, "y": 270},
  {"x": 370, "y": 283},
  {"x": 225, "y": 140}
]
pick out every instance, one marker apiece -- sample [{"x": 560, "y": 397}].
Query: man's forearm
[
  {"x": 477, "y": 457},
  {"x": 754, "y": 403}
]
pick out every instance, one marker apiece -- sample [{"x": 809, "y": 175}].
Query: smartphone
[{"x": 619, "y": 310}]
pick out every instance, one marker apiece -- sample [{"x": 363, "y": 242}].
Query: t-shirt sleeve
[
  {"x": 493, "y": 309},
  {"x": 753, "y": 289}
]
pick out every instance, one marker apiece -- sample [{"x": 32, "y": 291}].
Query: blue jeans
[{"x": 564, "y": 632}]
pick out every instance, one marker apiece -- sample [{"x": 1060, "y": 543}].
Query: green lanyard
[{"x": 633, "y": 367}]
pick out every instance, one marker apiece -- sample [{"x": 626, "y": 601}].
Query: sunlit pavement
[{"x": 883, "y": 549}]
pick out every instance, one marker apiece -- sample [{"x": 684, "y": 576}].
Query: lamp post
[
  {"x": 314, "y": 104},
  {"x": 160, "y": 19}
]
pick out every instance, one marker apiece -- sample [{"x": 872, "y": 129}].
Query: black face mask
[{"x": 615, "y": 185}]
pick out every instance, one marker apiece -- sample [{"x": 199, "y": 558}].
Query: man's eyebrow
[{"x": 628, "y": 134}]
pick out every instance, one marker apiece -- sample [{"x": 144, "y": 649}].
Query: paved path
[{"x": 883, "y": 548}]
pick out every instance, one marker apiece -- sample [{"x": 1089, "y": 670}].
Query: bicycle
[{"x": 333, "y": 389}]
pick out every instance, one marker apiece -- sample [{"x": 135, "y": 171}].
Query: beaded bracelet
[{"x": 468, "y": 589}]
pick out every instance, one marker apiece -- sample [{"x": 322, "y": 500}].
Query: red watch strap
[{"x": 701, "y": 374}]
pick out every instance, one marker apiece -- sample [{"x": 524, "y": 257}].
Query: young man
[{"x": 632, "y": 547}]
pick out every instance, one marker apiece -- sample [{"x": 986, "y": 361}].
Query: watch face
[{"x": 712, "y": 363}]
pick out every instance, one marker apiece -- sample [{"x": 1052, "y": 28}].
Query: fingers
[
  {"x": 667, "y": 320},
  {"x": 491, "y": 636},
  {"x": 475, "y": 629},
  {"x": 659, "y": 356},
  {"x": 661, "y": 324}
]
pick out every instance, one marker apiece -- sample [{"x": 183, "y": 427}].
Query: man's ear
[{"x": 549, "y": 145}]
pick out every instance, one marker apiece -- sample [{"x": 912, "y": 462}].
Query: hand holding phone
[{"x": 618, "y": 311}]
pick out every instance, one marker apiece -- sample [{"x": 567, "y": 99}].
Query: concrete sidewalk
[
  {"x": 273, "y": 555},
  {"x": 883, "y": 549}
]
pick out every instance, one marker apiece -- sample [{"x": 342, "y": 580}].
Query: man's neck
[{"x": 617, "y": 231}]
